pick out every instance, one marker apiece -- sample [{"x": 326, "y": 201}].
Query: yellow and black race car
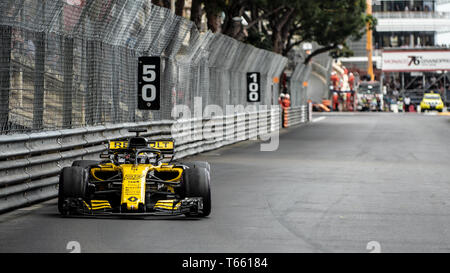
[{"x": 136, "y": 177}]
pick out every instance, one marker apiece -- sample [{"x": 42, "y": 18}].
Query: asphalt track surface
[{"x": 332, "y": 186}]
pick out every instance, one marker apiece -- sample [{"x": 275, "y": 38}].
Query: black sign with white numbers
[
  {"x": 253, "y": 87},
  {"x": 149, "y": 83}
]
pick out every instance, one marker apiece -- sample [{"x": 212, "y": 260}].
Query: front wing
[{"x": 189, "y": 205}]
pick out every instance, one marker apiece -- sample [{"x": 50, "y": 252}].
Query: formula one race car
[{"x": 137, "y": 177}]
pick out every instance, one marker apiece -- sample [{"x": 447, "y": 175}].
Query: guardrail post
[
  {"x": 5, "y": 70},
  {"x": 310, "y": 109},
  {"x": 68, "y": 80},
  {"x": 94, "y": 82},
  {"x": 39, "y": 73},
  {"x": 166, "y": 89},
  {"x": 132, "y": 103},
  {"x": 115, "y": 115}
]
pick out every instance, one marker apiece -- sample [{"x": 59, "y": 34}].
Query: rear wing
[{"x": 166, "y": 147}]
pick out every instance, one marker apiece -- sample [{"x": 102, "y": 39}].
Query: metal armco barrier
[
  {"x": 297, "y": 115},
  {"x": 30, "y": 163},
  {"x": 285, "y": 117}
]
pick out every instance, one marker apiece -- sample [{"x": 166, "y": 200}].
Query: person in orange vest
[
  {"x": 335, "y": 81},
  {"x": 335, "y": 101},
  {"x": 286, "y": 106},
  {"x": 285, "y": 102},
  {"x": 351, "y": 98},
  {"x": 351, "y": 81}
]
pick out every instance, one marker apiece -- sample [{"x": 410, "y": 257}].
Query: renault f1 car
[{"x": 135, "y": 177}]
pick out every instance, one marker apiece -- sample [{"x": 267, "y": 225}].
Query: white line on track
[
  {"x": 430, "y": 113},
  {"x": 14, "y": 214},
  {"x": 318, "y": 119}
]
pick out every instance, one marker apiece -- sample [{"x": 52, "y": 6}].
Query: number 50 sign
[
  {"x": 149, "y": 83},
  {"x": 254, "y": 87}
]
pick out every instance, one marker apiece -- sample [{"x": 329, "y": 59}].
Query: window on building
[
  {"x": 403, "y": 39},
  {"x": 404, "y": 6}
]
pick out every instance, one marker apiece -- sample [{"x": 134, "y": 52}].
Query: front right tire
[
  {"x": 196, "y": 183},
  {"x": 200, "y": 164}
]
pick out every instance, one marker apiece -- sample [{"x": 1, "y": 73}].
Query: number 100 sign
[
  {"x": 149, "y": 83},
  {"x": 253, "y": 87}
]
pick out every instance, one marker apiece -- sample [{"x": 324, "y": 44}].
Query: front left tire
[{"x": 72, "y": 184}]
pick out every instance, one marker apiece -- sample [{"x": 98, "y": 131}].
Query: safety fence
[
  {"x": 71, "y": 64},
  {"x": 320, "y": 65},
  {"x": 324, "y": 70},
  {"x": 35, "y": 160},
  {"x": 299, "y": 84}
]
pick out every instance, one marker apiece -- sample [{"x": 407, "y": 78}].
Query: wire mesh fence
[
  {"x": 73, "y": 63},
  {"x": 320, "y": 64}
]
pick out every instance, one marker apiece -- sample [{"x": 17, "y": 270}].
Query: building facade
[
  {"x": 403, "y": 24},
  {"x": 411, "y": 24}
]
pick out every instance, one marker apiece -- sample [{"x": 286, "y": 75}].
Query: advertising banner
[{"x": 415, "y": 60}]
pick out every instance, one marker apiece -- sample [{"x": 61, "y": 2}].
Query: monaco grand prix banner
[{"x": 415, "y": 60}]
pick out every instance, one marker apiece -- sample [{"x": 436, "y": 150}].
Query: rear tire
[
  {"x": 72, "y": 184},
  {"x": 197, "y": 184}
]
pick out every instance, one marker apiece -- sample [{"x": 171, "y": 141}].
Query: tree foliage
[{"x": 280, "y": 25}]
